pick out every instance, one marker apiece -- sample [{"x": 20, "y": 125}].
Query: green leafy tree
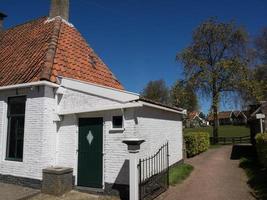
[
  {"x": 183, "y": 95},
  {"x": 157, "y": 91},
  {"x": 261, "y": 46},
  {"x": 202, "y": 115},
  {"x": 260, "y": 72},
  {"x": 256, "y": 89},
  {"x": 216, "y": 61},
  {"x": 260, "y": 75}
]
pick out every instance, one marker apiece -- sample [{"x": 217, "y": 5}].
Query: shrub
[
  {"x": 196, "y": 143},
  {"x": 261, "y": 145}
]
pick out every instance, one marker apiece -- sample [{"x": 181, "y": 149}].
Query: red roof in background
[
  {"x": 221, "y": 115},
  {"x": 192, "y": 115},
  {"x": 43, "y": 49}
]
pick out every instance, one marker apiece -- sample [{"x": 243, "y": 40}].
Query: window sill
[
  {"x": 14, "y": 160},
  {"x": 117, "y": 130}
]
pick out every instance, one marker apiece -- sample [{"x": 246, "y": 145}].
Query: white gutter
[
  {"x": 100, "y": 108},
  {"x": 163, "y": 108},
  {"x": 24, "y": 85}
]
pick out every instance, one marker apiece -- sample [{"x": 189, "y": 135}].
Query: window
[
  {"x": 117, "y": 122},
  {"x": 15, "y": 135}
]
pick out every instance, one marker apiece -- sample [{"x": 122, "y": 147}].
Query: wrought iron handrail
[{"x": 154, "y": 173}]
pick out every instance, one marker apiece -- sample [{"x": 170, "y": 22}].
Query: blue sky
[{"x": 138, "y": 39}]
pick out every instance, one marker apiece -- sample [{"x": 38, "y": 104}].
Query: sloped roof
[
  {"x": 240, "y": 113},
  {"x": 236, "y": 113},
  {"x": 43, "y": 49},
  {"x": 261, "y": 109},
  {"x": 221, "y": 115},
  {"x": 192, "y": 115},
  {"x": 160, "y": 104}
]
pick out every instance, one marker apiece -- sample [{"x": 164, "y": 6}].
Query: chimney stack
[
  {"x": 59, "y": 8},
  {"x": 2, "y": 17}
]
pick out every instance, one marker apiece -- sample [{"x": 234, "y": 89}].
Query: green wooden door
[{"x": 90, "y": 152}]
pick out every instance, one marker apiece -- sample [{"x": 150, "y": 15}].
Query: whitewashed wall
[
  {"x": 153, "y": 125},
  {"x": 78, "y": 101},
  {"x": 157, "y": 127},
  {"x": 115, "y": 154},
  {"x": 114, "y": 151},
  {"x": 39, "y": 133},
  {"x": 47, "y": 143}
]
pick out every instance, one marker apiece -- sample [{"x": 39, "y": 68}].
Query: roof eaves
[{"x": 161, "y": 104}]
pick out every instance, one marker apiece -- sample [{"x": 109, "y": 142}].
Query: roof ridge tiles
[{"x": 51, "y": 51}]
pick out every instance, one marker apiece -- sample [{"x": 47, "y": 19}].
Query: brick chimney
[
  {"x": 2, "y": 17},
  {"x": 59, "y": 8}
]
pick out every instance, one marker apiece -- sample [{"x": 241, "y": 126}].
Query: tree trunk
[{"x": 215, "y": 102}]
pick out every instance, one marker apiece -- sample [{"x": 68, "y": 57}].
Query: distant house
[
  {"x": 230, "y": 118},
  {"x": 239, "y": 117},
  {"x": 196, "y": 119},
  {"x": 254, "y": 123},
  {"x": 225, "y": 118}
]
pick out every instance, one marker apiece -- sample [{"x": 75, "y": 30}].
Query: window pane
[
  {"x": 117, "y": 121},
  {"x": 16, "y": 105},
  {"x": 20, "y": 127},
  {"x": 11, "y": 153},
  {"x": 16, "y": 108},
  {"x": 19, "y": 151},
  {"x": 12, "y": 138}
]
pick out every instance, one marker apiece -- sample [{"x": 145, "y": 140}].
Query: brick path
[{"x": 215, "y": 177}]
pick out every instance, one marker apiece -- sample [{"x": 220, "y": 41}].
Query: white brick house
[{"x": 59, "y": 115}]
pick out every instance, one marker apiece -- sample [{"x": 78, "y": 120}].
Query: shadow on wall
[
  {"x": 121, "y": 184},
  {"x": 147, "y": 112}
]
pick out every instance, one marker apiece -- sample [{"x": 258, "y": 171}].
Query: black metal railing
[
  {"x": 231, "y": 140},
  {"x": 154, "y": 174}
]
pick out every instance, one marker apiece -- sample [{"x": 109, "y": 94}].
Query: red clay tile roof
[
  {"x": 43, "y": 49},
  {"x": 192, "y": 115},
  {"x": 221, "y": 115}
]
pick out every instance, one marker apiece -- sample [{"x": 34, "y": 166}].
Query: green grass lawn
[
  {"x": 224, "y": 131},
  {"x": 179, "y": 173}
]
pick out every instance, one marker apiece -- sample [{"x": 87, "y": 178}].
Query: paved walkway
[
  {"x": 15, "y": 192},
  {"x": 215, "y": 177},
  {"x": 73, "y": 195}
]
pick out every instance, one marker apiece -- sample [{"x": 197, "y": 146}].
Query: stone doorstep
[{"x": 89, "y": 190}]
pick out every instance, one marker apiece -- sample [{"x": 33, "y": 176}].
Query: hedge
[
  {"x": 261, "y": 145},
  {"x": 196, "y": 143}
]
